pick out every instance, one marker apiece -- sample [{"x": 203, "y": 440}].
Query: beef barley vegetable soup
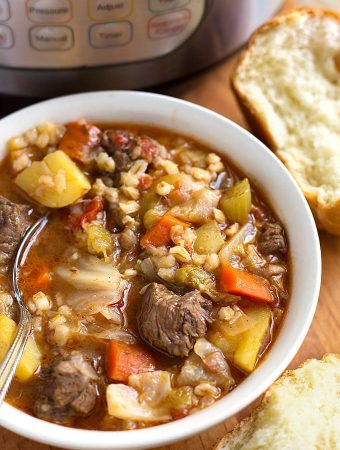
[{"x": 157, "y": 285}]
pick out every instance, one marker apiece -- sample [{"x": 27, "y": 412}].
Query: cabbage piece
[
  {"x": 212, "y": 358},
  {"x": 153, "y": 386},
  {"x": 112, "y": 314},
  {"x": 123, "y": 403},
  {"x": 245, "y": 235},
  {"x": 92, "y": 284},
  {"x": 256, "y": 263},
  {"x": 199, "y": 208},
  {"x": 253, "y": 261},
  {"x": 111, "y": 332},
  {"x": 206, "y": 364},
  {"x": 182, "y": 398}
]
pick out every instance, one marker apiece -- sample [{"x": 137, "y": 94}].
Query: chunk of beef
[
  {"x": 120, "y": 145},
  {"x": 67, "y": 389},
  {"x": 14, "y": 220},
  {"x": 124, "y": 148},
  {"x": 272, "y": 240},
  {"x": 171, "y": 322}
]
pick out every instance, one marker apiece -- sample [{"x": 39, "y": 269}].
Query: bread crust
[
  {"x": 247, "y": 422},
  {"x": 327, "y": 217}
]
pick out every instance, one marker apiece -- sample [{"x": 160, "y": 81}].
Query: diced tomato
[
  {"x": 145, "y": 182},
  {"x": 83, "y": 212},
  {"x": 79, "y": 140},
  {"x": 120, "y": 138},
  {"x": 148, "y": 148},
  {"x": 179, "y": 194}
]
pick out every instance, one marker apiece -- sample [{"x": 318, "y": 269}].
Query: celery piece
[
  {"x": 195, "y": 278},
  {"x": 236, "y": 202},
  {"x": 99, "y": 240}
]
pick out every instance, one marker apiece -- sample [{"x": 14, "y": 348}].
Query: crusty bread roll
[
  {"x": 327, "y": 4},
  {"x": 301, "y": 411},
  {"x": 288, "y": 84}
]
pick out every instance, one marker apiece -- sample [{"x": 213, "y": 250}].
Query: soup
[{"x": 157, "y": 285}]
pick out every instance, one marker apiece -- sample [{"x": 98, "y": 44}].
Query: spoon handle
[{"x": 12, "y": 358}]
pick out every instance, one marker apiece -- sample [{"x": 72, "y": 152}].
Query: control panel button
[
  {"x": 110, "y": 9},
  {"x": 164, "y": 5},
  {"x": 47, "y": 38},
  {"x": 168, "y": 24},
  {"x": 6, "y": 37},
  {"x": 4, "y": 10},
  {"x": 49, "y": 11},
  {"x": 114, "y": 34}
]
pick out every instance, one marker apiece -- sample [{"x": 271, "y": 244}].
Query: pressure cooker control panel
[{"x": 81, "y": 33}]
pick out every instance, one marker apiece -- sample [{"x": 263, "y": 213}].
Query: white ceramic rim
[{"x": 174, "y": 114}]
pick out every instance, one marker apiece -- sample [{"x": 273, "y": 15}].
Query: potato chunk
[
  {"x": 56, "y": 181},
  {"x": 245, "y": 356},
  {"x": 209, "y": 238},
  {"x": 228, "y": 344},
  {"x": 31, "y": 358},
  {"x": 243, "y": 349}
]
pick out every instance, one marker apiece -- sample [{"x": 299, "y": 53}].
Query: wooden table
[{"x": 212, "y": 89}]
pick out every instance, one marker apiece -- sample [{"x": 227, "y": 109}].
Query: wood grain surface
[{"x": 212, "y": 89}]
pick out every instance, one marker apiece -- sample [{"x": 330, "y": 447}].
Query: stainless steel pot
[{"x": 52, "y": 47}]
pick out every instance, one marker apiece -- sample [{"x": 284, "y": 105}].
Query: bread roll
[
  {"x": 301, "y": 411},
  {"x": 288, "y": 84}
]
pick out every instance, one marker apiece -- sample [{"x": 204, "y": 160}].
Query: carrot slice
[
  {"x": 160, "y": 233},
  {"x": 40, "y": 278},
  {"x": 240, "y": 282},
  {"x": 124, "y": 360},
  {"x": 79, "y": 140}
]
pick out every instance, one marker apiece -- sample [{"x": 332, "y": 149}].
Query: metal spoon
[{"x": 12, "y": 358}]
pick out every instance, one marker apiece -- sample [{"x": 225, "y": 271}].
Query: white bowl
[{"x": 271, "y": 177}]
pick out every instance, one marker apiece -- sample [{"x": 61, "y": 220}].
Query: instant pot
[{"x": 52, "y": 47}]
